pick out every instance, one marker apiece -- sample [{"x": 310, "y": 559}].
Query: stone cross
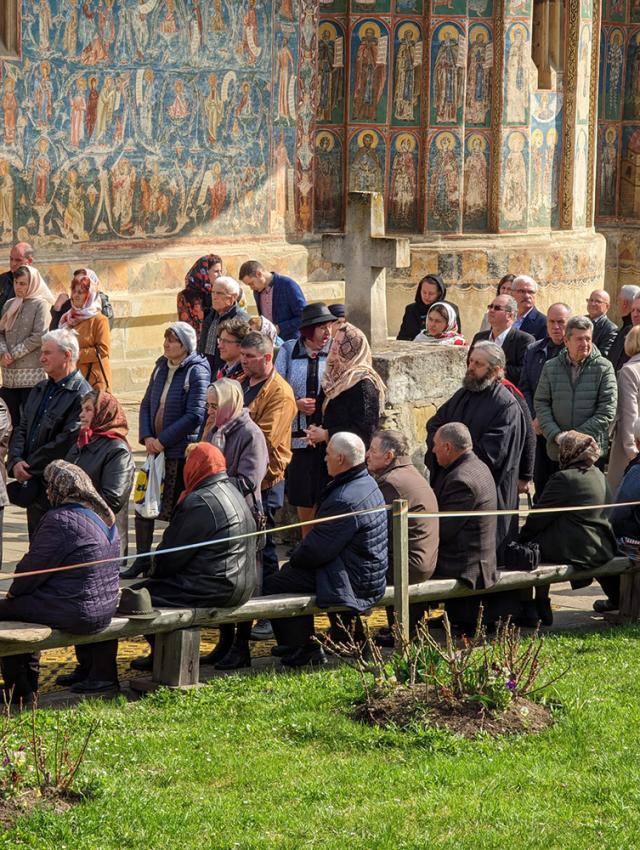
[{"x": 366, "y": 253}]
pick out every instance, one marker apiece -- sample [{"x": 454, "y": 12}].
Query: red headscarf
[
  {"x": 109, "y": 420},
  {"x": 203, "y": 460}
]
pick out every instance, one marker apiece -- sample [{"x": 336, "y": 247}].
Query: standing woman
[
  {"x": 24, "y": 321},
  {"x": 231, "y": 429},
  {"x": 505, "y": 286},
  {"x": 352, "y": 393},
  {"x": 302, "y": 362},
  {"x": 87, "y": 319},
  {"x": 171, "y": 417},
  {"x": 430, "y": 289},
  {"x": 194, "y": 301},
  {"x": 623, "y": 446}
]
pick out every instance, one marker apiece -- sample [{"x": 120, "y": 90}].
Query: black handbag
[
  {"x": 259, "y": 517},
  {"x": 24, "y": 494},
  {"x": 522, "y": 556}
]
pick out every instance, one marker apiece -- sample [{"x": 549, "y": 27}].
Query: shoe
[
  {"x": 528, "y": 617},
  {"x": 142, "y": 662},
  {"x": 280, "y": 650},
  {"x": 67, "y": 679},
  {"x": 305, "y": 655},
  {"x": 135, "y": 570},
  {"x": 384, "y": 638},
  {"x": 603, "y": 606},
  {"x": 262, "y": 630},
  {"x": 220, "y": 650},
  {"x": 95, "y": 686},
  {"x": 237, "y": 658},
  {"x": 545, "y": 614}
]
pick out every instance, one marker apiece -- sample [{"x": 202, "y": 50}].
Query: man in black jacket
[
  {"x": 225, "y": 293},
  {"x": 49, "y": 424},
  {"x": 21, "y": 255},
  {"x": 626, "y": 297},
  {"x": 502, "y": 314},
  {"x": 604, "y": 330}
]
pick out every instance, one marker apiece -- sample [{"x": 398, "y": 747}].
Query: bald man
[
  {"x": 20, "y": 255},
  {"x": 604, "y": 330}
]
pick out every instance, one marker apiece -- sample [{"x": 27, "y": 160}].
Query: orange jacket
[{"x": 273, "y": 410}]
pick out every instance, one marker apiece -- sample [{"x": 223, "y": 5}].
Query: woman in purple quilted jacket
[{"x": 78, "y": 528}]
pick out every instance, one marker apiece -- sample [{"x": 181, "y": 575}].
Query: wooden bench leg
[
  {"x": 629, "y": 597},
  {"x": 176, "y": 658}
]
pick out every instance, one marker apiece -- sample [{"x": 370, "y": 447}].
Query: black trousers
[
  {"x": 98, "y": 660},
  {"x": 544, "y": 467},
  {"x": 14, "y": 398}
]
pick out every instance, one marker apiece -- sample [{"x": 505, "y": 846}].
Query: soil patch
[
  {"x": 26, "y": 801},
  {"x": 407, "y": 705}
]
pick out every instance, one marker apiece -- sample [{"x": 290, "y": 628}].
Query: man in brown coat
[{"x": 389, "y": 462}]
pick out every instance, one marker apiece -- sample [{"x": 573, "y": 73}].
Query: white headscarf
[{"x": 37, "y": 289}]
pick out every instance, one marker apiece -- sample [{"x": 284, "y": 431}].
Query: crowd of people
[{"x": 247, "y": 412}]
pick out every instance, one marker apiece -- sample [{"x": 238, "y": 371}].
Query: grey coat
[
  {"x": 244, "y": 448},
  {"x": 22, "y": 341}
]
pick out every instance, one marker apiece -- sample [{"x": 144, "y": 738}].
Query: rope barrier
[{"x": 316, "y": 521}]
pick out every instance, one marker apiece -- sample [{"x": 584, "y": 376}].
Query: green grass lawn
[{"x": 275, "y": 761}]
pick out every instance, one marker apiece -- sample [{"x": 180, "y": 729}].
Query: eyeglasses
[
  {"x": 211, "y": 405},
  {"x": 495, "y": 307},
  {"x": 228, "y": 340}
]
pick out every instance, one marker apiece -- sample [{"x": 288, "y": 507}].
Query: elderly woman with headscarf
[
  {"x": 582, "y": 538},
  {"x": 79, "y": 528},
  {"x": 171, "y": 417},
  {"x": 442, "y": 326},
  {"x": 87, "y": 319},
  {"x": 211, "y": 511},
  {"x": 194, "y": 301},
  {"x": 352, "y": 393},
  {"x": 24, "y": 321}
]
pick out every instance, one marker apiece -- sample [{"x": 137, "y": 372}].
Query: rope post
[{"x": 400, "y": 520}]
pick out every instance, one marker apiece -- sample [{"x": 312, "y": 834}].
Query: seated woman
[
  {"x": 87, "y": 319},
  {"x": 78, "y": 528},
  {"x": 218, "y": 573},
  {"x": 430, "y": 289},
  {"x": 582, "y": 538},
  {"x": 442, "y": 326}
]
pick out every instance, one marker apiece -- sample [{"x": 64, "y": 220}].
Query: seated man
[
  {"x": 467, "y": 549},
  {"x": 209, "y": 508},
  {"x": 342, "y": 562},
  {"x": 389, "y": 462}
]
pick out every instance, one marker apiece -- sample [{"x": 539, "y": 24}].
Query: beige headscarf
[
  {"x": 230, "y": 400},
  {"x": 37, "y": 289},
  {"x": 349, "y": 362},
  {"x": 578, "y": 451}
]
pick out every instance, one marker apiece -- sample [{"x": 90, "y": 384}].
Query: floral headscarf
[
  {"x": 109, "y": 419},
  {"x": 230, "y": 400},
  {"x": 197, "y": 278},
  {"x": 450, "y": 335},
  {"x": 37, "y": 289},
  {"x": 67, "y": 484},
  {"x": 578, "y": 451},
  {"x": 348, "y": 363},
  {"x": 264, "y": 326},
  {"x": 88, "y": 280}
]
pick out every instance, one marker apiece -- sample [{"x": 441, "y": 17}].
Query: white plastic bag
[{"x": 147, "y": 496}]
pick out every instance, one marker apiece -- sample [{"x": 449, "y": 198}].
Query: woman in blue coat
[
  {"x": 171, "y": 416},
  {"x": 79, "y": 528}
]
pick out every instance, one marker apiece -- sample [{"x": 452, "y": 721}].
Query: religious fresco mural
[
  {"x": 447, "y": 74},
  {"x": 369, "y": 71},
  {"x": 407, "y": 78},
  {"x": 480, "y": 8},
  {"x": 544, "y": 165},
  {"x": 611, "y": 65},
  {"x": 403, "y": 183},
  {"x": 367, "y": 159},
  {"x": 328, "y": 184},
  {"x": 331, "y": 81},
  {"x": 517, "y": 83},
  {"x": 584, "y": 75},
  {"x": 408, "y": 7},
  {"x": 606, "y": 195},
  {"x": 514, "y": 199},
  {"x": 479, "y": 76},
  {"x": 444, "y": 182},
  {"x": 370, "y": 5},
  {"x": 153, "y": 119},
  {"x": 477, "y": 164},
  {"x": 632, "y": 88}
]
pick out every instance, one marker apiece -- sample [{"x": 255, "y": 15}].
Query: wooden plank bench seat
[{"x": 176, "y": 656}]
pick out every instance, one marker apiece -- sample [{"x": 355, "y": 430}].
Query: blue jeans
[{"x": 272, "y": 501}]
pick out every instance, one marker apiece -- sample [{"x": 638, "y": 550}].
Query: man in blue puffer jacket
[{"x": 342, "y": 562}]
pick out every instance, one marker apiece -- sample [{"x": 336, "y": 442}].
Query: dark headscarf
[
  {"x": 109, "y": 420},
  {"x": 197, "y": 278},
  {"x": 436, "y": 280},
  {"x": 578, "y": 451},
  {"x": 67, "y": 484}
]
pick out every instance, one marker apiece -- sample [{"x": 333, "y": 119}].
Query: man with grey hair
[
  {"x": 497, "y": 426},
  {"x": 225, "y": 294},
  {"x": 502, "y": 314},
  {"x": 626, "y": 298},
  {"x": 524, "y": 289},
  {"x": 604, "y": 330},
  {"x": 49, "y": 424},
  {"x": 389, "y": 461},
  {"x": 344, "y": 562},
  {"x": 20, "y": 255}
]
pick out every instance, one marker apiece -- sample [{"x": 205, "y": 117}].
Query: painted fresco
[
  {"x": 521, "y": 8},
  {"x": 607, "y": 172},
  {"x": 333, "y": 5},
  {"x": 476, "y": 182},
  {"x": 409, "y": 7},
  {"x": 630, "y": 172},
  {"x": 635, "y": 11},
  {"x": 513, "y": 208},
  {"x": 447, "y": 74},
  {"x": 367, "y": 157},
  {"x": 370, "y": 5},
  {"x": 612, "y": 59},
  {"x": 632, "y": 88},
  {"x": 479, "y": 75},
  {"x": 369, "y": 71},
  {"x": 443, "y": 180},
  {"x": 449, "y": 7},
  {"x": 615, "y": 10},
  {"x": 150, "y": 119},
  {"x": 407, "y": 77},
  {"x": 403, "y": 183},
  {"x": 544, "y": 166},
  {"x": 481, "y": 8},
  {"x": 586, "y": 8},
  {"x": 328, "y": 186},
  {"x": 331, "y": 47},
  {"x": 580, "y": 178},
  {"x": 584, "y": 75},
  {"x": 517, "y": 83}
]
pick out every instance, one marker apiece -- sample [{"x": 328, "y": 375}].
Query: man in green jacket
[{"x": 577, "y": 391}]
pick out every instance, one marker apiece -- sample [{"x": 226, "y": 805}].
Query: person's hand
[
  {"x": 316, "y": 435},
  {"x": 524, "y": 486},
  {"x": 21, "y": 471},
  {"x": 536, "y": 427},
  {"x": 6, "y": 359},
  {"x": 306, "y": 405},
  {"x": 60, "y": 301},
  {"x": 153, "y": 446},
  {"x": 558, "y": 437}
]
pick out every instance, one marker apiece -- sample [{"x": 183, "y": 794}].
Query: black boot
[
  {"x": 239, "y": 656},
  {"x": 144, "y": 540},
  {"x": 227, "y": 635}
]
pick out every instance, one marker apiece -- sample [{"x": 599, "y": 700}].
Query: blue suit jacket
[
  {"x": 535, "y": 323},
  {"x": 287, "y": 305}
]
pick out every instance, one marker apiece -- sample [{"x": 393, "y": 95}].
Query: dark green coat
[{"x": 582, "y": 538}]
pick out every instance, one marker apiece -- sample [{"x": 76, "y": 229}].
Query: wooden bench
[{"x": 176, "y": 654}]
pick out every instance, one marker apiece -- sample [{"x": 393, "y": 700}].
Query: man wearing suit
[
  {"x": 502, "y": 313},
  {"x": 604, "y": 330},
  {"x": 626, "y": 297},
  {"x": 278, "y": 297},
  {"x": 530, "y": 319}
]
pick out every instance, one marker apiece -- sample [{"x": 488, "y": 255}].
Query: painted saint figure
[
  {"x": 514, "y": 187},
  {"x": 331, "y": 80},
  {"x": 41, "y": 172},
  {"x": 517, "y": 94},
  {"x": 444, "y": 184},
  {"x": 478, "y": 80},
  {"x": 7, "y": 199},
  {"x": 105, "y": 108},
  {"x": 92, "y": 106},
  {"x": 73, "y": 216},
  {"x": 608, "y": 163},
  {"x": 43, "y": 96},
  {"x": 537, "y": 196},
  {"x": 70, "y": 37},
  {"x": 217, "y": 192},
  {"x": 370, "y": 78},
  {"x": 407, "y": 78},
  {"x": 45, "y": 23},
  {"x": 179, "y": 108},
  {"x": 285, "y": 67},
  {"x": 250, "y": 45},
  {"x": 327, "y": 183},
  {"x": 403, "y": 200},
  {"x": 475, "y": 180},
  {"x": 365, "y": 174},
  {"x": 140, "y": 27},
  {"x": 10, "y": 109},
  {"x": 614, "y": 64},
  {"x": 123, "y": 183},
  {"x": 78, "y": 112},
  {"x": 448, "y": 84}
]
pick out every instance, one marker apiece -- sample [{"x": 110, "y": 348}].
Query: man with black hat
[{"x": 430, "y": 289}]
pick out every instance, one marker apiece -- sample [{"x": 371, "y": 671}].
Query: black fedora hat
[
  {"x": 316, "y": 314},
  {"x": 136, "y": 604}
]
